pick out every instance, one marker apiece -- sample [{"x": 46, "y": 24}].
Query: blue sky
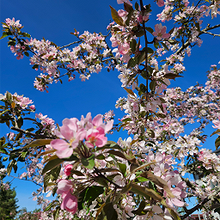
[{"x": 54, "y": 20}]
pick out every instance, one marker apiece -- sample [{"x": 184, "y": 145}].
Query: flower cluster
[{"x": 74, "y": 132}]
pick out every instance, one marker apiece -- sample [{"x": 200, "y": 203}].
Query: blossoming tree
[{"x": 144, "y": 176}]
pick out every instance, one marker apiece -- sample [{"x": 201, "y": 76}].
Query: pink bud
[
  {"x": 32, "y": 107},
  {"x": 68, "y": 169}
]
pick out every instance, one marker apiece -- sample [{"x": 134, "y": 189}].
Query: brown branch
[
  {"x": 146, "y": 52},
  {"x": 198, "y": 206},
  {"x": 28, "y": 133},
  {"x": 67, "y": 45},
  {"x": 101, "y": 175},
  {"x": 204, "y": 31}
]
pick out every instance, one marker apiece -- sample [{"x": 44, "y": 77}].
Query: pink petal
[
  {"x": 59, "y": 144},
  {"x": 109, "y": 126},
  {"x": 98, "y": 120},
  {"x": 64, "y": 153},
  {"x": 66, "y": 132},
  {"x": 177, "y": 202}
]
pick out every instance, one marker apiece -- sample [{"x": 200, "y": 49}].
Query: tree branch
[{"x": 100, "y": 174}]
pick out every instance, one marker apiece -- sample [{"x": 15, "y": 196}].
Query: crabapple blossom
[{"x": 160, "y": 32}]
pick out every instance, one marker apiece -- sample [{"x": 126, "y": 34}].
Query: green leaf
[
  {"x": 106, "y": 170},
  {"x": 5, "y": 34},
  {"x": 158, "y": 181},
  {"x": 165, "y": 46},
  {"x": 141, "y": 57},
  {"x": 52, "y": 164},
  {"x": 144, "y": 191},
  {"x": 91, "y": 193},
  {"x": 140, "y": 210},
  {"x": 110, "y": 145},
  {"x": 141, "y": 179},
  {"x": 109, "y": 212},
  {"x": 150, "y": 50},
  {"x": 122, "y": 168},
  {"x": 133, "y": 45},
  {"x": 143, "y": 166},
  {"x": 132, "y": 62},
  {"x": 89, "y": 162},
  {"x": 26, "y": 54},
  {"x": 128, "y": 18},
  {"x": 139, "y": 33},
  {"x": 171, "y": 76},
  {"x": 56, "y": 213},
  {"x": 3, "y": 151},
  {"x": 9, "y": 168},
  {"x": 38, "y": 142},
  {"x": 78, "y": 173},
  {"x": 136, "y": 6},
  {"x": 116, "y": 17},
  {"x": 52, "y": 204},
  {"x": 153, "y": 85},
  {"x": 117, "y": 153},
  {"x": 129, "y": 91},
  {"x": 128, "y": 7},
  {"x": 149, "y": 29},
  {"x": 100, "y": 157}
]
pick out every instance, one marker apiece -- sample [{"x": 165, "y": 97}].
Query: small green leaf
[
  {"x": 122, "y": 168},
  {"x": 140, "y": 210},
  {"x": 38, "y": 142},
  {"x": 171, "y": 76},
  {"x": 3, "y": 151},
  {"x": 5, "y": 34},
  {"x": 146, "y": 192},
  {"x": 109, "y": 212},
  {"x": 56, "y": 213},
  {"x": 158, "y": 181},
  {"x": 139, "y": 33},
  {"x": 165, "y": 46},
  {"x": 116, "y": 17},
  {"x": 116, "y": 153},
  {"x": 129, "y": 91},
  {"x": 133, "y": 45},
  {"x": 100, "y": 157},
  {"x": 52, "y": 164},
  {"x": 26, "y": 54},
  {"x": 153, "y": 85},
  {"x": 141, "y": 57},
  {"x": 128, "y": 7},
  {"x": 141, "y": 179},
  {"x": 89, "y": 162},
  {"x": 149, "y": 29},
  {"x": 91, "y": 193},
  {"x": 136, "y": 6},
  {"x": 132, "y": 62}
]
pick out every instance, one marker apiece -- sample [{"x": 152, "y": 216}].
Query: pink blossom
[
  {"x": 160, "y": 32},
  {"x": 68, "y": 169},
  {"x": 32, "y": 107},
  {"x": 69, "y": 203},
  {"x": 96, "y": 137},
  {"x": 160, "y": 3},
  {"x": 124, "y": 1},
  {"x": 63, "y": 187}
]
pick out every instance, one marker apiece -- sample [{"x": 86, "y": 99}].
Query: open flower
[{"x": 160, "y": 32}]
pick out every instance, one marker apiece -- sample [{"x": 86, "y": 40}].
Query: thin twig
[
  {"x": 67, "y": 45},
  {"x": 101, "y": 175}
]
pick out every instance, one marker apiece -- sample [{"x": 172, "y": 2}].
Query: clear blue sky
[{"x": 54, "y": 20}]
